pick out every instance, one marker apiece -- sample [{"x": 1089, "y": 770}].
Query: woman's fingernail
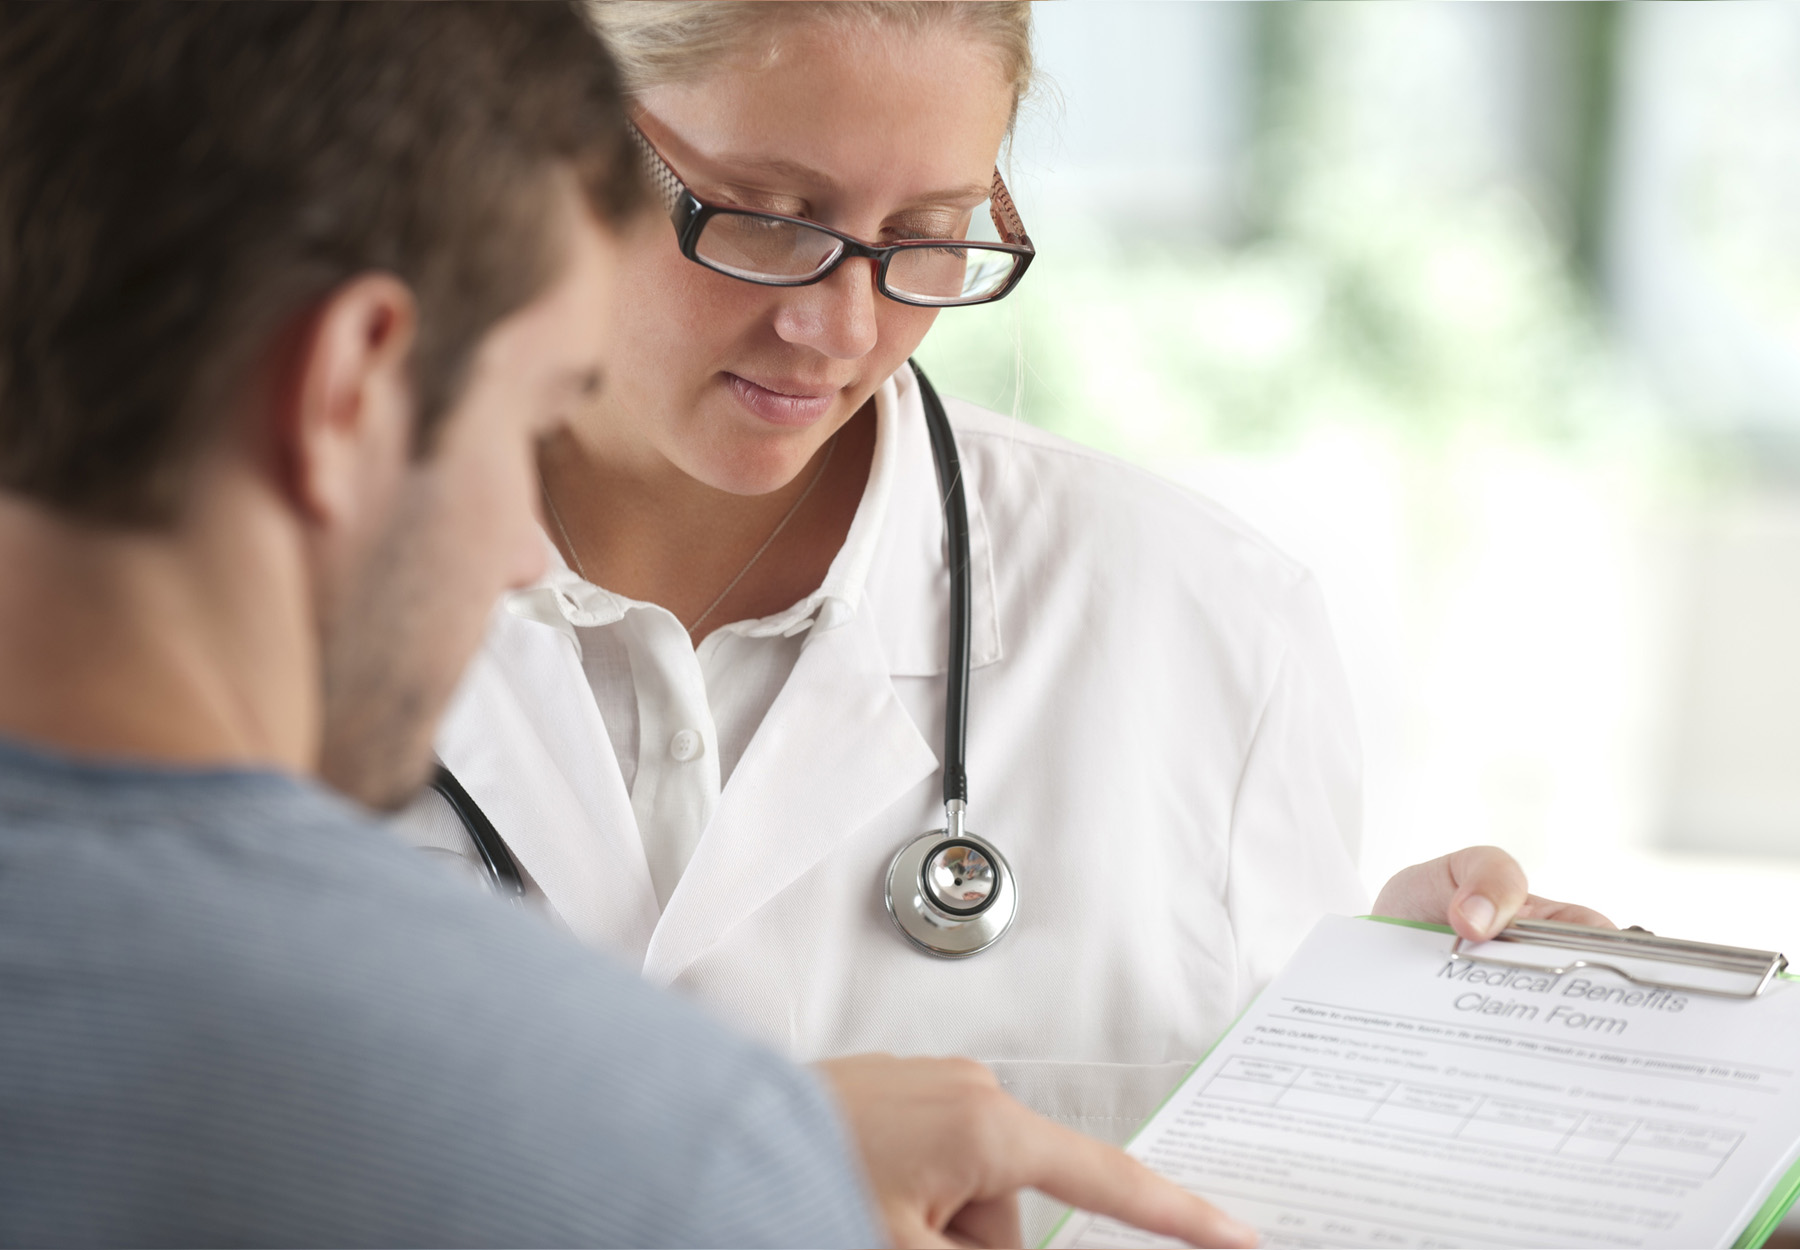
[{"x": 1479, "y": 912}]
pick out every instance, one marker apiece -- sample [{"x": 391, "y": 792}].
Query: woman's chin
[
  {"x": 752, "y": 470},
  {"x": 751, "y": 458}
]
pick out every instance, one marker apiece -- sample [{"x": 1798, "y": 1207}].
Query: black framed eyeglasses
[{"x": 772, "y": 249}]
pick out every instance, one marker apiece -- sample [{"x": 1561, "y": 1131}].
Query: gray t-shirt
[{"x": 235, "y": 1011}]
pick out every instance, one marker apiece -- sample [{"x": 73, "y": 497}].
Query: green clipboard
[{"x": 1589, "y": 947}]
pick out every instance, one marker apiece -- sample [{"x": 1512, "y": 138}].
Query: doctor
[{"x": 707, "y": 732}]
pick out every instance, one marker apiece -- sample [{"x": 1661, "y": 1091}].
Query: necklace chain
[
  {"x": 563, "y": 530},
  {"x": 773, "y": 535},
  {"x": 749, "y": 564}
]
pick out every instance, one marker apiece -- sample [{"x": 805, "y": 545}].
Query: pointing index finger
[{"x": 1096, "y": 1177}]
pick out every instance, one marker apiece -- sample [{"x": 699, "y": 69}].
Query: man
[{"x": 286, "y": 294}]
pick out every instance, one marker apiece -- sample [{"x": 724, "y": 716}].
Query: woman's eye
[
  {"x": 761, "y": 204},
  {"x": 947, "y": 228}
]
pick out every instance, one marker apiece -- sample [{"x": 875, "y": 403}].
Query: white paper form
[{"x": 1380, "y": 1094}]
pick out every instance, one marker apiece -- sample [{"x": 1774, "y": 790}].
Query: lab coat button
[{"x": 686, "y": 745}]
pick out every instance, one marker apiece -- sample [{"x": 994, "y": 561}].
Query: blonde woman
[{"x": 705, "y": 735}]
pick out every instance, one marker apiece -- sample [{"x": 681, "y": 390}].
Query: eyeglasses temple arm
[
  {"x": 664, "y": 184},
  {"x": 1006, "y": 217}
]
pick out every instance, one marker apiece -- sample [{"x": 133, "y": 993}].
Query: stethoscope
[{"x": 951, "y": 893}]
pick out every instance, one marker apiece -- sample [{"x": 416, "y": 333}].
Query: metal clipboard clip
[{"x": 1557, "y": 949}]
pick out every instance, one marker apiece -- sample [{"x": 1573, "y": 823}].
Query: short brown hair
[{"x": 177, "y": 181}]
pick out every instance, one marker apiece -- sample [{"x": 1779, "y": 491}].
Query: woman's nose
[{"x": 836, "y": 316}]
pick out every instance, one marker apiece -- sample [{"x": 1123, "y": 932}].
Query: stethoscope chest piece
[{"x": 951, "y": 893}]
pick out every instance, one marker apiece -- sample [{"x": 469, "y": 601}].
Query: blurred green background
[{"x": 1490, "y": 313}]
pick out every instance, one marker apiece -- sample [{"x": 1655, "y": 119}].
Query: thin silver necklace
[{"x": 749, "y": 564}]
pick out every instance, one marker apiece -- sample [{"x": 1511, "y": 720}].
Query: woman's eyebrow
[
  {"x": 794, "y": 171},
  {"x": 780, "y": 167},
  {"x": 953, "y": 197}
]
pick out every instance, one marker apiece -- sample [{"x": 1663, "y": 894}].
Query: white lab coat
[{"x": 1160, "y": 741}]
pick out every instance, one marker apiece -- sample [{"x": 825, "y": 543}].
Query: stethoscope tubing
[
  {"x": 502, "y": 870},
  {"x": 956, "y": 531}
]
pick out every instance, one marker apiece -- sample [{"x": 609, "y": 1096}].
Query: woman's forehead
[{"x": 843, "y": 113}]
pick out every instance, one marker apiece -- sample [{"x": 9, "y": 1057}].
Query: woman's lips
[{"x": 779, "y": 407}]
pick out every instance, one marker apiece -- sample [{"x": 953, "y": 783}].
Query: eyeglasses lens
[
  {"x": 950, "y": 275},
  {"x": 764, "y": 248}
]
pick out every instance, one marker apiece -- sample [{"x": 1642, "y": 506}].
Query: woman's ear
[{"x": 343, "y": 424}]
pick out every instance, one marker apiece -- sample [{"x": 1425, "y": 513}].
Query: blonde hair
[{"x": 668, "y": 41}]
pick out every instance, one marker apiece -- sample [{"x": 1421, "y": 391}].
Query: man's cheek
[{"x": 505, "y": 538}]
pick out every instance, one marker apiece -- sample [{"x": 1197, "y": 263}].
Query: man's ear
[{"x": 344, "y": 424}]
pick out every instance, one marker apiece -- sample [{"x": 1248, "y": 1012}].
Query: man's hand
[
  {"x": 947, "y": 1151},
  {"x": 1478, "y": 891}
]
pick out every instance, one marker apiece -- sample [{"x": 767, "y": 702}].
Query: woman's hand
[{"x": 1477, "y": 891}]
